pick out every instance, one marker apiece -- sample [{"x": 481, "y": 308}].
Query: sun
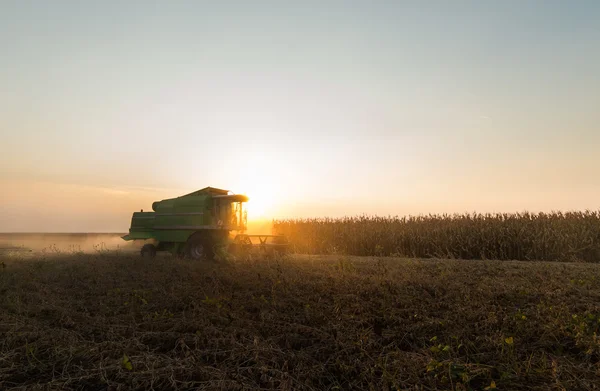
[
  {"x": 260, "y": 204},
  {"x": 262, "y": 185},
  {"x": 258, "y": 207}
]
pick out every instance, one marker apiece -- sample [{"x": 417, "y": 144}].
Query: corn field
[{"x": 556, "y": 236}]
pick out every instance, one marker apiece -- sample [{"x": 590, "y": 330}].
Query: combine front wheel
[{"x": 196, "y": 248}]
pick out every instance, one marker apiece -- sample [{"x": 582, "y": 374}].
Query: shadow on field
[{"x": 104, "y": 321}]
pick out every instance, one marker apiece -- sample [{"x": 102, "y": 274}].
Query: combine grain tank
[{"x": 195, "y": 224}]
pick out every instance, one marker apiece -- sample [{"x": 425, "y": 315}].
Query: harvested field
[{"x": 109, "y": 321}]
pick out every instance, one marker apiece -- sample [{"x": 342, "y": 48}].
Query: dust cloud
[{"x": 59, "y": 242}]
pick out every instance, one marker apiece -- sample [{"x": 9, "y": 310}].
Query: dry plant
[
  {"x": 571, "y": 236},
  {"x": 103, "y": 321}
]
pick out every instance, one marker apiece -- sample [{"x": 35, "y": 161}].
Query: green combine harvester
[{"x": 195, "y": 225}]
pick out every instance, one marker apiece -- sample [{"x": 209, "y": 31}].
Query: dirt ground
[{"x": 108, "y": 320}]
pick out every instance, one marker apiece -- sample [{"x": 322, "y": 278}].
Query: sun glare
[
  {"x": 260, "y": 186},
  {"x": 257, "y": 208},
  {"x": 260, "y": 205}
]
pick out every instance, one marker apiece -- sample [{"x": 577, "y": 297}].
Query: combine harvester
[{"x": 196, "y": 224}]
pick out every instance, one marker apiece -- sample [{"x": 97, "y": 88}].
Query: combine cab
[{"x": 196, "y": 224}]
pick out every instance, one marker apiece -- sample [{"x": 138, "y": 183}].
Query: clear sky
[{"x": 312, "y": 108}]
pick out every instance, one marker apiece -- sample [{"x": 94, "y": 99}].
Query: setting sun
[
  {"x": 261, "y": 183},
  {"x": 261, "y": 202}
]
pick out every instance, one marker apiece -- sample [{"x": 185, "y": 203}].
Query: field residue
[{"x": 106, "y": 321}]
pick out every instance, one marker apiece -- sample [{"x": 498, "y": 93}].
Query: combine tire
[
  {"x": 148, "y": 251},
  {"x": 196, "y": 251},
  {"x": 198, "y": 248}
]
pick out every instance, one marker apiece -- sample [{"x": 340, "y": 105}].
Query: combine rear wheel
[{"x": 148, "y": 251}]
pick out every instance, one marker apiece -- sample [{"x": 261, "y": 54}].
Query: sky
[{"x": 312, "y": 108}]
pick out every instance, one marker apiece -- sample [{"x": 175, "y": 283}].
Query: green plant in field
[
  {"x": 585, "y": 330},
  {"x": 139, "y": 295},
  {"x": 508, "y": 349},
  {"x": 438, "y": 347},
  {"x": 449, "y": 372},
  {"x": 520, "y": 316},
  {"x": 126, "y": 363},
  {"x": 433, "y": 365}
]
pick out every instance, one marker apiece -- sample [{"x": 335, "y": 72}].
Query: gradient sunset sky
[{"x": 312, "y": 108}]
